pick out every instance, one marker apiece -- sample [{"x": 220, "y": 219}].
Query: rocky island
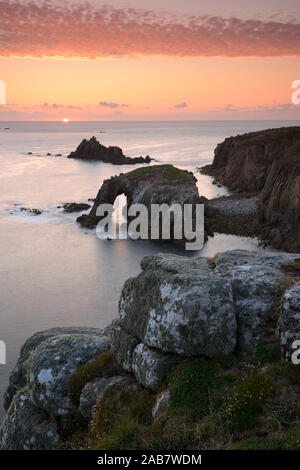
[
  {"x": 201, "y": 344},
  {"x": 92, "y": 150},
  {"x": 155, "y": 184},
  {"x": 266, "y": 164}
]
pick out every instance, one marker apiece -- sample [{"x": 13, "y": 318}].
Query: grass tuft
[
  {"x": 169, "y": 172},
  {"x": 103, "y": 366},
  {"x": 246, "y": 402}
]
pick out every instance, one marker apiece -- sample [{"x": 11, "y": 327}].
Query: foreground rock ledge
[
  {"x": 176, "y": 307},
  {"x": 191, "y": 307}
]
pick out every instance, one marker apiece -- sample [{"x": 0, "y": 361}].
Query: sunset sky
[{"x": 154, "y": 59}]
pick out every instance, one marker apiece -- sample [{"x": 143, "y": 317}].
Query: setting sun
[{"x": 66, "y": 120}]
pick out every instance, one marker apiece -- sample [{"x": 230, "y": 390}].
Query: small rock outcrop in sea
[
  {"x": 75, "y": 207},
  {"x": 93, "y": 150},
  {"x": 31, "y": 211},
  {"x": 266, "y": 163},
  {"x": 155, "y": 184},
  {"x": 177, "y": 307}
]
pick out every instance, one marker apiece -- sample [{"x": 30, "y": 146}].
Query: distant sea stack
[
  {"x": 266, "y": 163},
  {"x": 93, "y": 150}
]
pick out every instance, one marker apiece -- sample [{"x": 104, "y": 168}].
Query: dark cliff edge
[
  {"x": 93, "y": 150},
  {"x": 266, "y": 163}
]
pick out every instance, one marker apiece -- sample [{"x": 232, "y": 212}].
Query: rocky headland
[
  {"x": 201, "y": 345},
  {"x": 265, "y": 164},
  {"x": 92, "y": 150}
]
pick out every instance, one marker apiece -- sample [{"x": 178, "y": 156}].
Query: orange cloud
[{"x": 83, "y": 31}]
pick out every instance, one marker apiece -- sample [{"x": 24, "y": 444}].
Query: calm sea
[{"x": 54, "y": 273}]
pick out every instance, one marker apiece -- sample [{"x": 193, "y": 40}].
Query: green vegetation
[
  {"x": 268, "y": 353},
  {"x": 169, "y": 172},
  {"x": 288, "y": 372},
  {"x": 120, "y": 415},
  {"x": 290, "y": 442},
  {"x": 270, "y": 135},
  {"x": 103, "y": 366},
  {"x": 245, "y": 403},
  {"x": 194, "y": 383},
  {"x": 232, "y": 402}
]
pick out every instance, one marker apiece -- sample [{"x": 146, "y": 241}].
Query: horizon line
[{"x": 155, "y": 120}]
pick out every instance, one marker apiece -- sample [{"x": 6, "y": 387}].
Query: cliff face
[
  {"x": 267, "y": 163},
  {"x": 279, "y": 203}
]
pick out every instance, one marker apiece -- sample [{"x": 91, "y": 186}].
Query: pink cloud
[{"x": 84, "y": 31}]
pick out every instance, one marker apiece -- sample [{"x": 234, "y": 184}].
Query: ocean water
[{"x": 53, "y": 272}]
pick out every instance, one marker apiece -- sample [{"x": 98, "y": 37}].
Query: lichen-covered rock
[
  {"x": 92, "y": 392},
  {"x": 227, "y": 259},
  {"x": 51, "y": 364},
  {"x": 255, "y": 286},
  {"x": 177, "y": 305},
  {"x": 18, "y": 378},
  {"x": 196, "y": 306},
  {"x": 162, "y": 402},
  {"x": 26, "y": 427},
  {"x": 288, "y": 328},
  {"x": 122, "y": 347},
  {"x": 150, "y": 366}
]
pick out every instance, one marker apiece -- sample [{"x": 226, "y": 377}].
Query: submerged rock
[
  {"x": 93, "y": 150},
  {"x": 26, "y": 427},
  {"x": 288, "y": 328},
  {"x": 31, "y": 211},
  {"x": 75, "y": 206}
]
